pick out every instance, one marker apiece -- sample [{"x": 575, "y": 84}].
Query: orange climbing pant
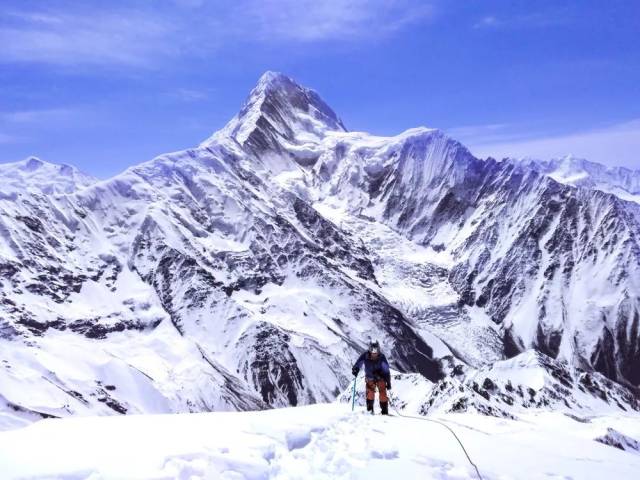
[{"x": 371, "y": 390}]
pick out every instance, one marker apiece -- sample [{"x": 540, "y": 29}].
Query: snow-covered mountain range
[
  {"x": 250, "y": 271},
  {"x": 620, "y": 181}
]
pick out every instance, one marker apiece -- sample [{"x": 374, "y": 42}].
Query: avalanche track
[{"x": 320, "y": 441}]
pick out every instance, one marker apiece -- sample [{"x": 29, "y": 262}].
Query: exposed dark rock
[{"x": 620, "y": 441}]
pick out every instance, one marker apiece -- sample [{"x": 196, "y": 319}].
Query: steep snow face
[
  {"x": 280, "y": 122},
  {"x": 415, "y": 279},
  {"x": 555, "y": 267},
  {"x": 558, "y": 268},
  {"x": 37, "y": 176},
  {"x": 250, "y": 272},
  {"x": 622, "y": 182},
  {"x": 587, "y": 275},
  {"x": 376, "y": 174}
]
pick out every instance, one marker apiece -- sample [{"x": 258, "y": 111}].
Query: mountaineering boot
[
  {"x": 370, "y": 406},
  {"x": 384, "y": 407}
]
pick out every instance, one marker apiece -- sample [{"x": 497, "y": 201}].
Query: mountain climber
[{"x": 376, "y": 375}]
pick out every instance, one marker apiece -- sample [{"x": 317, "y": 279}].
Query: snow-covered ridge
[
  {"x": 279, "y": 109},
  {"x": 35, "y": 175},
  {"x": 529, "y": 382},
  {"x": 620, "y": 181}
]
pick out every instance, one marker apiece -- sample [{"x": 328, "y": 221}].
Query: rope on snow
[
  {"x": 353, "y": 401},
  {"x": 445, "y": 426}
]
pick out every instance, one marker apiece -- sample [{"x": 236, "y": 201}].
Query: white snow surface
[
  {"x": 325, "y": 441},
  {"x": 619, "y": 181},
  {"x": 37, "y": 176}
]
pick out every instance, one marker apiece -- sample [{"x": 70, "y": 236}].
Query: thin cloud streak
[
  {"x": 310, "y": 20},
  {"x": 489, "y": 133},
  {"x": 113, "y": 38},
  {"x": 191, "y": 94},
  {"x": 6, "y": 139},
  {"x": 616, "y": 145},
  {"x": 531, "y": 20},
  {"x": 22, "y": 126},
  {"x": 37, "y": 116},
  {"x": 148, "y": 37}
]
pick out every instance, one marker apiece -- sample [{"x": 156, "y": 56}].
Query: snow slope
[
  {"x": 35, "y": 175},
  {"x": 619, "y": 181},
  {"x": 322, "y": 442}
]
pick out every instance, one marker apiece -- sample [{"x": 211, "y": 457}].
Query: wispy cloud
[
  {"x": 529, "y": 20},
  {"x": 6, "y": 139},
  {"x": 37, "y": 116},
  {"x": 190, "y": 94},
  {"x": 488, "y": 21},
  {"x": 617, "y": 144},
  {"x": 311, "y": 20},
  {"x": 483, "y": 133},
  {"x": 94, "y": 38},
  {"x": 147, "y": 35},
  {"x": 22, "y": 126}
]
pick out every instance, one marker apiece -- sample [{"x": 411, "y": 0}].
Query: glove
[
  {"x": 355, "y": 371},
  {"x": 388, "y": 384}
]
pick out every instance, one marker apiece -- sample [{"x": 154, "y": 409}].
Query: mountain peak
[
  {"x": 271, "y": 79},
  {"x": 278, "y": 110},
  {"x": 32, "y": 163},
  {"x": 34, "y": 174}
]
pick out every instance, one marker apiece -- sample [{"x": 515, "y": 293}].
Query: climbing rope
[
  {"x": 445, "y": 426},
  {"x": 353, "y": 401}
]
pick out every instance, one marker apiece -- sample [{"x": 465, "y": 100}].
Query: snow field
[{"x": 325, "y": 441}]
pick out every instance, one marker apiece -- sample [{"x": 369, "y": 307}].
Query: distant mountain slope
[
  {"x": 526, "y": 384},
  {"x": 620, "y": 181},
  {"x": 34, "y": 175}
]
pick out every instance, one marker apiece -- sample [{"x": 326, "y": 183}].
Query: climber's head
[{"x": 374, "y": 349}]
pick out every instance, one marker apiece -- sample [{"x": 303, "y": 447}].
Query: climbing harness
[{"x": 445, "y": 426}]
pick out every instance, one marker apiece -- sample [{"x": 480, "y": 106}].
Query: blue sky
[{"x": 105, "y": 85}]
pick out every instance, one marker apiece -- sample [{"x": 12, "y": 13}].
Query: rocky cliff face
[{"x": 250, "y": 271}]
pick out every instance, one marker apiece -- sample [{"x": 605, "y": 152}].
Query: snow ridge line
[{"x": 445, "y": 426}]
